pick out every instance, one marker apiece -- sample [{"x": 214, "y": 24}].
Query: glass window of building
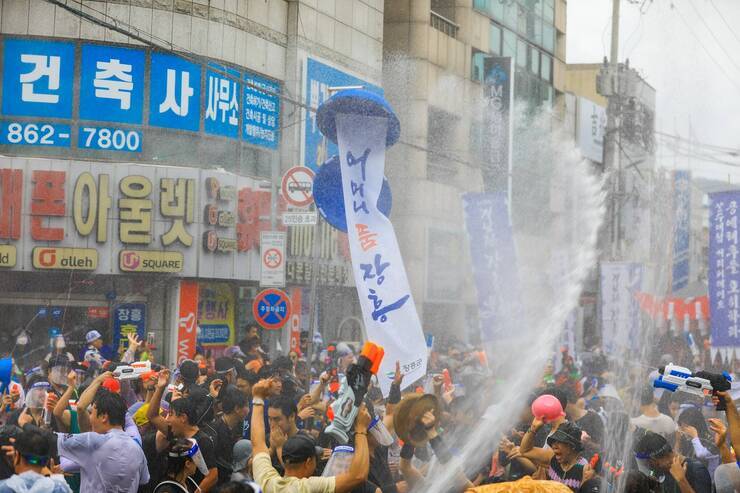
[
  {"x": 546, "y": 70},
  {"x": 521, "y": 53},
  {"x": 548, "y": 38},
  {"x": 548, "y": 11},
  {"x": 509, "y": 48},
  {"x": 494, "y": 42},
  {"x": 477, "y": 65},
  {"x": 511, "y": 14},
  {"x": 534, "y": 61},
  {"x": 537, "y": 35},
  {"x": 522, "y": 14}
]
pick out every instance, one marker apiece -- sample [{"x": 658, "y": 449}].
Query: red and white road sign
[
  {"x": 273, "y": 258},
  {"x": 297, "y": 186}
]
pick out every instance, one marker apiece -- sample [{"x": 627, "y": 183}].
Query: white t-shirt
[{"x": 662, "y": 424}]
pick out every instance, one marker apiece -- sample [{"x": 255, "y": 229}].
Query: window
[
  {"x": 521, "y": 53},
  {"x": 494, "y": 42},
  {"x": 537, "y": 34},
  {"x": 534, "y": 61},
  {"x": 441, "y": 133},
  {"x": 546, "y": 72},
  {"x": 511, "y": 11},
  {"x": 509, "y": 48},
  {"x": 548, "y": 11},
  {"x": 522, "y": 20},
  {"x": 477, "y": 65},
  {"x": 548, "y": 37}
]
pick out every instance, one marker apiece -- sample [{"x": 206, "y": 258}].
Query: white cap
[{"x": 93, "y": 335}]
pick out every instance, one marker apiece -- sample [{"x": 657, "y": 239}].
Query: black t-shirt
[
  {"x": 380, "y": 472},
  {"x": 571, "y": 478},
  {"x": 366, "y": 487},
  {"x": 696, "y": 474},
  {"x": 225, "y": 450},
  {"x": 208, "y": 449}
]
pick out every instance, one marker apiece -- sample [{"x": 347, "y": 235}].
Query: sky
[{"x": 686, "y": 51}]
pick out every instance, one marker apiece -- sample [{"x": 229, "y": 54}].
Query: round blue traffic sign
[{"x": 271, "y": 308}]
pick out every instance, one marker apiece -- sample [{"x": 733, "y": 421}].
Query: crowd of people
[{"x": 245, "y": 422}]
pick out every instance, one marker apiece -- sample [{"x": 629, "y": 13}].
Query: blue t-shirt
[{"x": 246, "y": 429}]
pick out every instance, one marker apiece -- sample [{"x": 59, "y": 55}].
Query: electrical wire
[
  {"x": 730, "y": 28},
  {"x": 709, "y": 54},
  {"x": 714, "y": 36}
]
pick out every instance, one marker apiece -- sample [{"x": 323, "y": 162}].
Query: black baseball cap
[{"x": 300, "y": 447}]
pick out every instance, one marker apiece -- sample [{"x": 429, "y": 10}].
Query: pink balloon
[{"x": 547, "y": 408}]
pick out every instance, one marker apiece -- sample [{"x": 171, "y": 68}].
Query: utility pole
[{"x": 609, "y": 87}]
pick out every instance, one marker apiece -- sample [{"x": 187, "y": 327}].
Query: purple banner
[
  {"x": 724, "y": 269},
  {"x": 493, "y": 257}
]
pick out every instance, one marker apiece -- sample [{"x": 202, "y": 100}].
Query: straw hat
[{"x": 408, "y": 414}]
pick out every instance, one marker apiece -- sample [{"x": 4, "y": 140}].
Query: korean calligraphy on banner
[
  {"x": 113, "y": 218},
  {"x": 620, "y": 308},
  {"x": 724, "y": 270},
  {"x": 128, "y": 318},
  {"x": 319, "y": 78},
  {"x": 681, "y": 228},
  {"x": 388, "y": 309},
  {"x": 39, "y": 80},
  {"x": 494, "y": 263}
]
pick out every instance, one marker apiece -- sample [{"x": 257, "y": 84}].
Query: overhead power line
[
  {"x": 709, "y": 53},
  {"x": 714, "y": 36},
  {"x": 729, "y": 27}
]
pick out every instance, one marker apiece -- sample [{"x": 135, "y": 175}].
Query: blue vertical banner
[
  {"x": 261, "y": 111},
  {"x": 724, "y": 270},
  {"x": 128, "y": 318},
  {"x": 493, "y": 257},
  {"x": 174, "y": 93},
  {"x": 681, "y": 228},
  {"x": 112, "y": 84},
  {"x": 222, "y": 101},
  {"x": 319, "y": 78},
  {"x": 38, "y": 78}
]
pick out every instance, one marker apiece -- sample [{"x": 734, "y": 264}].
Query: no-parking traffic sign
[
  {"x": 271, "y": 308},
  {"x": 297, "y": 186}
]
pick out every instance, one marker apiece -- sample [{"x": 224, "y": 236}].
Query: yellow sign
[
  {"x": 215, "y": 314},
  {"x": 150, "y": 261},
  {"x": 7, "y": 256},
  {"x": 65, "y": 258}
]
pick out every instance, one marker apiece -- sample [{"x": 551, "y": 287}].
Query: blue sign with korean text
[
  {"x": 222, "y": 101},
  {"x": 319, "y": 78},
  {"x": 493, "y": 257},
  {"x": 174, "y": 93},
  {"x": 681, "y": 228},
  {"x": 127, "y": 319},
  {"x": 112, "y": 84},
  {"x": 724, "y": 269},
  {"x": 261, "y": 111},
  {"x": 45, "y": 134},
  {"x": 38, "y": 78}
]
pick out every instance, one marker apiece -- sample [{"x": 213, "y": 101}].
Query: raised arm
[
  {"x": 87, "y": 397},
  {"x": 527, "y": 448},
  {"x": 316, "y": 393},
  {"x": 720, "y": 439},
  {"x": 360, "y": 465},
  {"x": 152, "y": 413},
  {"x": 260, "y": 391},
  {"x": 133, "y": 345},
  {"x": 61, "y": 413}
]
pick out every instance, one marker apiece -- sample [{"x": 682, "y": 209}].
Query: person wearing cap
[
  {"x": 183, "y": 460},
  {"x": 109, "y": 459},
  {"x": 226, "y": 370},
  {"x": 299, "y": 455},
  {"x": 563, "y": 458},
  {"x": 94, "y": 344},
  {"x": 655, "y": 459},
  {"x": 31, "y": 455},
  {"x": 241, "y": 452}
]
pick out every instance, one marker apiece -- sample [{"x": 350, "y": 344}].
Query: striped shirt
[{"x": 572, "y": 478}]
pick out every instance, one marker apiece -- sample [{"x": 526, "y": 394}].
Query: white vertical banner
[{"x": 388, "y": 309}]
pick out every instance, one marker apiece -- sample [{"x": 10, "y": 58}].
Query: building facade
[
  {"x": 142, "y": 148},
  {"x": 435, "y": 51}
]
